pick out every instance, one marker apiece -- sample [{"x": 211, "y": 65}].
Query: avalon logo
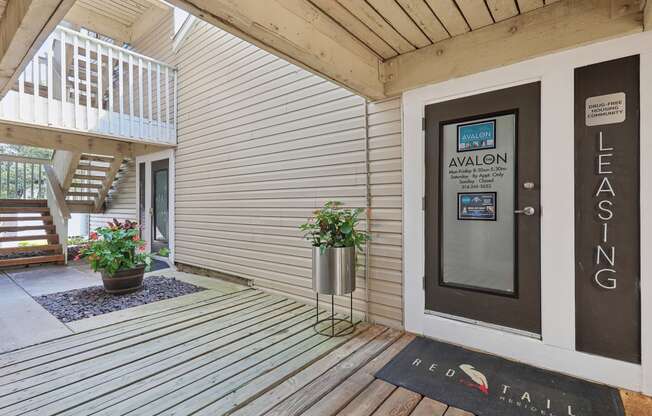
[{"x": 479, "y": 379}]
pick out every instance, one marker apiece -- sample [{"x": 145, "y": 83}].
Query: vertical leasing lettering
[{"x": 605, "y": 254}]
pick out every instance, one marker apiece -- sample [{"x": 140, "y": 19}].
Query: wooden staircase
[
  {"x": 88, "y": 186},
  {"x": 32, "y": 215}
]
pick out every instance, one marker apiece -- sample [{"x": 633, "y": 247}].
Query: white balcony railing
[{"x": 85, "y": 84}]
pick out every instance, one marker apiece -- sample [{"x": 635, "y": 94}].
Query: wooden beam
[
  {"x": 24, "y": 26},
  {"x": 55, "y": 187},
  {"x": 25, "y": 159},
  {"x": 89, "y": 19},
  {"x": 647, "y": 15},
  {"x": 298, "y": 32},
  {"x": 148, "y": 21},
  {"x": 62, "y": 139},
  {"x": 108, "y": 182},
  {"x": 72, "y": 169},
  {"x": 561, "y": 25}
]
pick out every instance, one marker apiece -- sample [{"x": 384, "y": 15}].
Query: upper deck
[{"x": 87, "y": 85}]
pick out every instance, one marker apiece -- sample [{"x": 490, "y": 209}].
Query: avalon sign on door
[{"x": 607, "y": 248}]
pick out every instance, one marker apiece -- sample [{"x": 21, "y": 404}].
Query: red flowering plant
[{"x": 116, "y": 247}]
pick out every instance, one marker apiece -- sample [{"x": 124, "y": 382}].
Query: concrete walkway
[{"x": 23, "y": 321}]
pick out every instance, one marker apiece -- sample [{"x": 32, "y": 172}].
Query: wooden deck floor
[{"x": 243, "y": 353}]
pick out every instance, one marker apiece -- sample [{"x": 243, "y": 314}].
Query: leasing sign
[{"x": 607, "y": 225}]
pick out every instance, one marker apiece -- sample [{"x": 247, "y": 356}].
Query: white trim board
[
  {"x": 148, "y": 159},
  {"x": 556, "y": 349}
]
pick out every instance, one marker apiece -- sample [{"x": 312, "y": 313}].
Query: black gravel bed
[
  {"x": 73, "y": 251},
  {"x": 20, "y": 255},
  {"x": 92, "y": 301}
]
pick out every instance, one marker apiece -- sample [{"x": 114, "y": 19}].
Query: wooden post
[
  {"x": 109, "y": 79},
  {"x": 72, "y": 168},
  {"x": 108, "y": 181},
  {"x": 64, "y": 71},
  {"x": 75, "y": 60}
]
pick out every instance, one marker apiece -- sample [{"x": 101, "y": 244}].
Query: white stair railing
[
  {"x": 22, "y": 178},
  {"x": 86, "y": 84}
]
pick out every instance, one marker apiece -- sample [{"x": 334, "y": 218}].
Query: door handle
[{"x": 526, "y": 211}]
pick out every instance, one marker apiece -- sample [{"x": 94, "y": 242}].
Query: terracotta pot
[{"x": 124, "y": 281}]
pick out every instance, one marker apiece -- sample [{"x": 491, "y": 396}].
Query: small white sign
[{"x": 605, "y": 109}]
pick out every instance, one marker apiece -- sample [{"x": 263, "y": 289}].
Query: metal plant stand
[
  {"x": 333, "y": 320},
  {"x": 333, "y": 273}
]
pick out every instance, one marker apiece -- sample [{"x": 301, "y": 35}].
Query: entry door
[
  {"x": 160, "y": 212},
  {"x": 154, "y": 202},
  {"x": 482, "y": 209}
]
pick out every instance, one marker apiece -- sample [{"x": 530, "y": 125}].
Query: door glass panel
[
  {"x": 477, "y": 207},
  {"x": 161, "y": 205},
  {"x": 141, "y": 198}
]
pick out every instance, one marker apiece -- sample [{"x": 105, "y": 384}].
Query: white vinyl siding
[
  {"x": 385, "y": 167},
  {"x": 123, "y": 202},
  {"x": 263, "y": 143}
]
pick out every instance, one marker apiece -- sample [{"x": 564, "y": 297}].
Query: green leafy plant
[
  {"x": 77, "y": 240},
  {"x": 333, "y": 226},
  {"x": 116, "y": 247}
]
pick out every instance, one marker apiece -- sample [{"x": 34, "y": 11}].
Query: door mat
[
  {"x": 158, "y": 265},
  {"x": 487, "y": 385}
]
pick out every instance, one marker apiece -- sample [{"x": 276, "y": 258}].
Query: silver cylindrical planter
[{"x": 333, "y": 270}]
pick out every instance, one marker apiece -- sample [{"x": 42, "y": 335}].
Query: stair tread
[
  {"x": 32, "y": 260},
  {"x": 44, "y": 218},
  {"x": 23, "y": 202},
  {"x": 9, "y": 229},
  {"x": 81, "y": 201},
  {"x": 53, "y": 237},
  {"x": 92, "y": 168},
  {"x": 40, "y": 247},
  {"x": 21, "y": 210},
  {"x": 86, "y": 185},
  {"x": 89, "y": 177},
  {"x": 107, "y": 159}
]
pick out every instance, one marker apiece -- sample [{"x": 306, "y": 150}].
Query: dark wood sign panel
[{"x": 607, "y": 225}]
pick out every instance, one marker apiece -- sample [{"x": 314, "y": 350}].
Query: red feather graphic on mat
[{"x": 480, "y": 381}]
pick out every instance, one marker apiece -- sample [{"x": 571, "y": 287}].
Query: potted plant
[
  {"x": 334, "y": 238},
  {"x": 119, "y": 254}
]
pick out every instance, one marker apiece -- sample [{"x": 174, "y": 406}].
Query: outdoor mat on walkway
[
  {"x": 158, "y": 265},
  {"x": 487, "y": 385}
]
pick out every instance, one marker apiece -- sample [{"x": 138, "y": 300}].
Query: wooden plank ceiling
[
  {"x": 394, "y": 27},
  {"x": 126, "y": 12},
  {"x": 380, "y": 48},
  {"x": 121, "y": 20}
]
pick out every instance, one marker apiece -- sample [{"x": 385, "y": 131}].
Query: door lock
[{"x": 526, "y": 211}]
